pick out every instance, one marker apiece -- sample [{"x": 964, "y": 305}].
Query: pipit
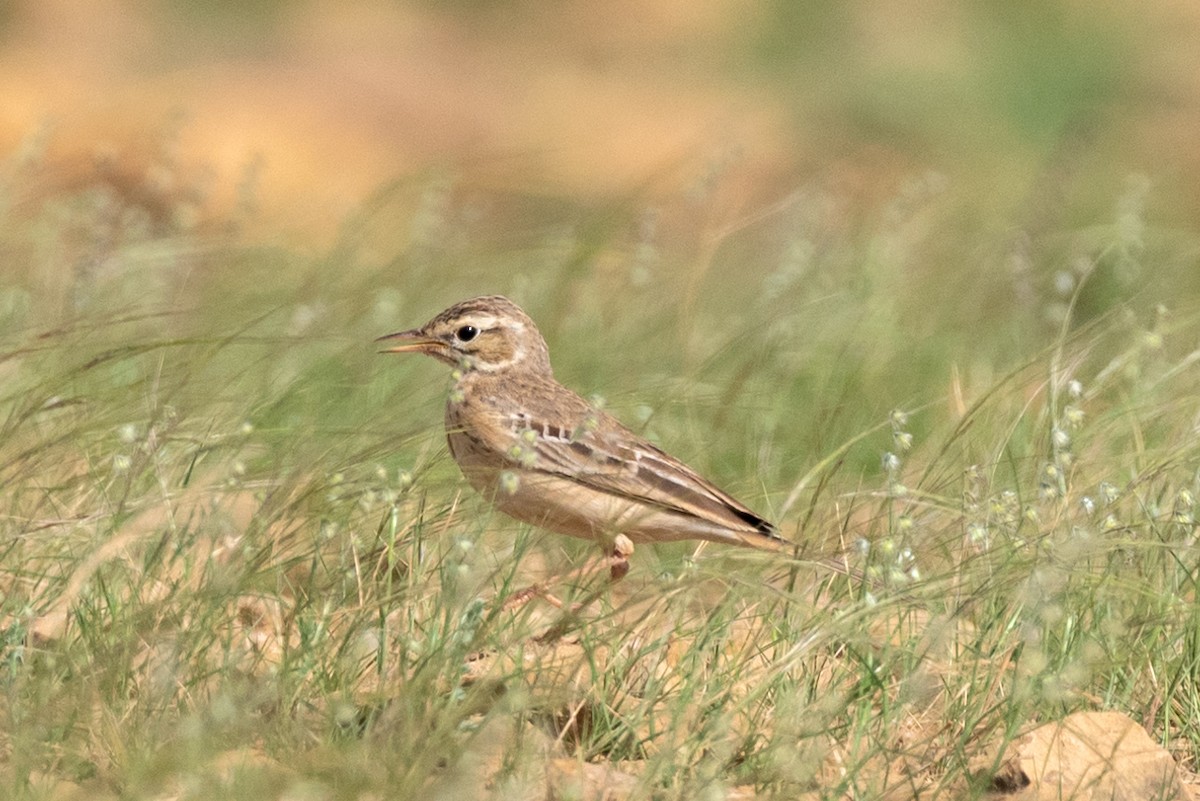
[{"x": 544, "y": 455}]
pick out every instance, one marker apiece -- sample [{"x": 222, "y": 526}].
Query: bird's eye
[{"x": 467, "y": 333}]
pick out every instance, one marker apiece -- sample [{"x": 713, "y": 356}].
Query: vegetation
[{"x": 236, "y": 561}]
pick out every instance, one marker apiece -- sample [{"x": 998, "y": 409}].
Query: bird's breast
[{"x": 476, "y": 442}]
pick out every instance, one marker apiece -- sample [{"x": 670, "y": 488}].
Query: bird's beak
[{"x": 411, "y": 341}]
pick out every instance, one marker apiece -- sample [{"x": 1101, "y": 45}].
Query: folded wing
[{"x": 612, "y": 459}]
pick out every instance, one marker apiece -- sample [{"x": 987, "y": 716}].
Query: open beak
[{"x": 411, "y": 342}]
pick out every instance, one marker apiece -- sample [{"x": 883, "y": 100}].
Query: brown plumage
[{"x": 544, "y": 455}]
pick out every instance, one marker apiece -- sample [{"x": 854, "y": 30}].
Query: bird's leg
[
  {"x": 618, "y": 560},
  {"x": 618, "y": 565}
]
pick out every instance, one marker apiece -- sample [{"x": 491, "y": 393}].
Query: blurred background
[{"x": 1022, "y": 106}]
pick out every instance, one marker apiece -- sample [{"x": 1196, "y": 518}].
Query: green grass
[{"x": 236, "y": 560}]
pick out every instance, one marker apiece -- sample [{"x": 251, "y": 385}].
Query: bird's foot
[{"x": 524, "y": 596}]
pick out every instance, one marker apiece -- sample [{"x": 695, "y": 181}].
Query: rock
[{"x": 1089, "y": 755}]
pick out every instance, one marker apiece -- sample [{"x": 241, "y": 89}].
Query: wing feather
[{"x": 611, "y": 458}]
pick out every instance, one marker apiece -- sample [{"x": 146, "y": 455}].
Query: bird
[{"x": 542, "y": 454}]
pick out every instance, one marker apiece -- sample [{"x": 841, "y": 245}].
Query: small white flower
[
  {"x": 1064, "y": 282},
  {"x": 1073, "y": 415}
]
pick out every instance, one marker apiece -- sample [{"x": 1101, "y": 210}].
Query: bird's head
[{"x": 486, "y": 334}]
